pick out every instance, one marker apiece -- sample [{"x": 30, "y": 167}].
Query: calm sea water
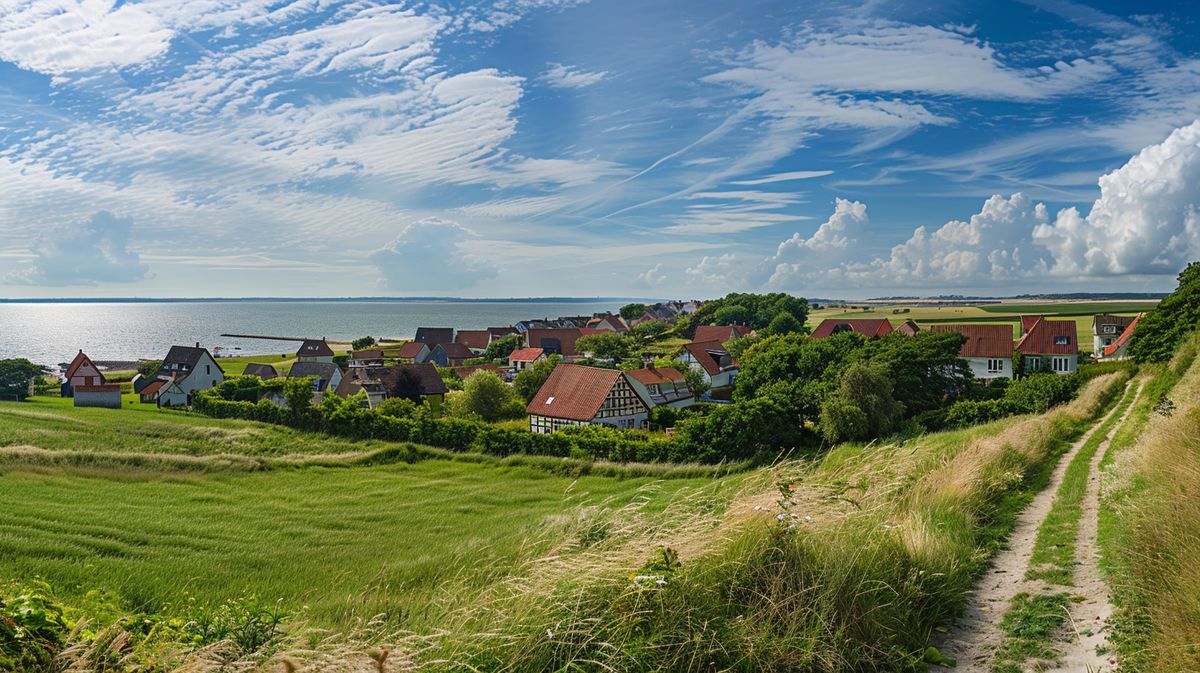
[{"x": 52, "y": 333}]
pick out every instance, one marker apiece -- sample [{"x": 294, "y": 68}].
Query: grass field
[
  {"x": 406, "y": 540},
  {"x": 1009, "y": 313}
]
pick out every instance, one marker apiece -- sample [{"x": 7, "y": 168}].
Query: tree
[
  {"x": 16, "y": 377},
  {"x": 605, "y": 346},
  {"x": 149, "y": 367},
  {"x": 396, "y": 407},
  {"x": 784, "y": 323},
  {"x": 863, "y": 406},
  {"x": 500, "y": 349},
  {"x": 649, "y": 330},
  {"x": 632, "y": 311},
  {"x": 406, "y": 386},
  {"x": 362, "y": 342},
  {"x": 1161, "y": 329},
  {"x": 796, "y": 371},
  {"x": 693, "y": 377},
  {"x": 530, "y": 381},
  {"x": 756, "y": 311},
  {"x": 733, "y": 314},
  {"x": 737, "y": 432},
  {"x": 487, "y": 396},
  {"x": 299, "y": 394}
]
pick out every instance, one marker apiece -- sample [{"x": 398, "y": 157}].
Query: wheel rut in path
[{"x": 974, "y": 638}]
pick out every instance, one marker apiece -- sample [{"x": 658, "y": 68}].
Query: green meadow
[{"x": 93, "y": 501}]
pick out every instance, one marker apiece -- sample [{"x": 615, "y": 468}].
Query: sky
[{"x": 639, "y": 148}]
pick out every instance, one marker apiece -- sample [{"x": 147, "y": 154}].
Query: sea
[{"x": 52, "y": 333}]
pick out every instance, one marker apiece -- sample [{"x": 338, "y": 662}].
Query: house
[
  {"x": 661, "y": 386},
  {"x": 263, "y": 372},
  {"x": 910, "y": 328},
  {"x": 465, "y": 372},
  {"x": 722, "y": 333},
  {"x": 525, "y": 358},
  {"x": 413, "y": 353},
  {"x": 475, "y": 339},
  {"x": 1106, "y": 329},
  {"x": 712, "y": 360},
  {"x": 608, "y": 323},
  {"x": 191, "y": 368},
  {"x": 501, "y": 332},
  {"x": 107, "y": 395},
  {"x": 868, "y": 327},
  {"x": 988, "y": 348},
  {"x": 450, "y": 355},
  {"x": 1050, "y": 346},
  {"x": 577, "y": 395},
  {"x": 313, "y": 350},
  {"x": 326, "y": 376},
  {"x": 554, "y": 341},
  {"x": 81, "y": 372},
  {"x": 358, "y": 379},
  {"x": 370, "y": 357},
  {"x": 172, "y": 394},
  {"x": 149, "y": 393},
  {"x": 1116, "y": 350},
  {"x": 420, "y": 380},
  {"x": 432, "y": 336}
]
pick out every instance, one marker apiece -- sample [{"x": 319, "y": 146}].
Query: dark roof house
[
  {"x": 314, "y": 348},
  {"x": 559, "y": 341},
  {"x": 183, "y": 359},
  {"x": 326, "y": 373},
  {"x": 263, "y": 372},
  {"x": 432, "y": 336},
  {"x": 475, "y": 339}
]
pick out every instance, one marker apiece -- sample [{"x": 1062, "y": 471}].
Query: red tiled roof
[
  {"x": 720, "y": 333},
  {"x": 78, "y": 362},
  {"x": 410, "y": 350},
  {"x": 153, "y": 386},
  {"x": 474, "y": 338},
  {"x": 868, "y": 327},
  {"x": 566, "y": 336},
  {"x": 655, "y": 376},
  {"x": 525, "y": 355},
  {"x": 983, "y": 341},
  {"x": 1028, "y": 321},
  {"x": 574, "y": 392},
  {"x": 707, "y": 353},
  {"x": 1041, "y": 339},
  {"x": 367, "y": 354},
  {"x": 1115, "y": 346}
]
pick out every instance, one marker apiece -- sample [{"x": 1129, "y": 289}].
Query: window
[
  {"x": 1062, "y": 340},
  {"x": 653, "y": 389},
  {"x": 1060, "y": 364},
  {"x": 1109, "y": 329},
  {"x": 1033, "y": 364},
  {"x": 995, "y": 365}
]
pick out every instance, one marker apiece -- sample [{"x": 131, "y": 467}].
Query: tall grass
[
  {"x": 1150, "y": 524},
  {"x": 851, "y": 564}
]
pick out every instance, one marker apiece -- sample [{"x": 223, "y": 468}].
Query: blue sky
[{"x": 612, "y": 148}]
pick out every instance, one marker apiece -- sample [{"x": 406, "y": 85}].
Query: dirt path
[
  {"x": 1089, "y": 618},
  {"x": 976, "y": 635}
]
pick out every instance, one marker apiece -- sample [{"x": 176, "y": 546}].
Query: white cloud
[
  {"x": 733, "y": 211},
  {"x": 798, "y": 257},
  {"x": 725, "y": 272},
  {"x": 655, "y": 276},
  {"x": 428, "y": 256},
  {"x": 562, "y": 76},
  {"x": 1146, "y": 220},
  {"x": 83, "y": 253},
  {"x": 61, "y": 36},
  {"x": 784, "y": 177}
]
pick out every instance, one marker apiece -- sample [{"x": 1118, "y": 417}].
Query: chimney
[
  {"x": 648, "y": 362},
  {"x": 197, "y": 344}
]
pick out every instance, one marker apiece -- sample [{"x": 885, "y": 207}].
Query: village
[{"x": 580, "y": 381}]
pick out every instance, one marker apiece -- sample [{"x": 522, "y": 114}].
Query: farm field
[
  {"x": 1080, "y": 312},
  {"x": 409, "y": 541}
]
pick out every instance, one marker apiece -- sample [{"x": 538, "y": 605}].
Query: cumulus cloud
[
  {"x": 797, "y": 256},
  {"x": 727, "y": 271},
  {"x": 84, "y": 253},
  {"x": 655, "y": 276},
  {"x": 1145, "y": 221},
  {"x": 562, "y": 76},
  {"x": 429, "y": 256}
]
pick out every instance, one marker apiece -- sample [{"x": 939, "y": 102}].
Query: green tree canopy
[
  {"x": 148, "y": 367},
  {"x": 784, "y": 323},
  {"x": 1161, "y": 329},
  {"x": 632, "y": 311},
  {"x": 756, "y": 311},
  {"x": 362, "y": 342},
  {"x": 863, "y": 406},
  {"x": 487, "y": 396},
  {"x": 500, "y": 349},
  {"x": 530, "y": 381},
  {"x": 16, "y": 375},
  {"x": 606, "y": 346}
]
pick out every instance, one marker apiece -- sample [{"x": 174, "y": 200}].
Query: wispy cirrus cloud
[{"x": 562, "y": 76}]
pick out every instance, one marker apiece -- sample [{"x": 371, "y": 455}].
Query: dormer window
[{"x": 1062, "y": 340}]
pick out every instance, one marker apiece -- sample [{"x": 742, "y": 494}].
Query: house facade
[
  {"x": 554, "y": 341},
  {"x": 661, "y": 386},
  {"x": 1050, "y": 346},
  {"x": 525, "y": 358},
  {"x": 370, "y": 357},
  {"x": 191, "y": 368},
  {"x": 1117, "y": 349},
  {"x": 107, "y": 395},
  {"x": 313, "y": 350},
  {"x": 413, "y": 353},
  {"x": 325, "y": 376},
  {"x": 450, "y": 355},
  {"x": 713, "y": 361},
  {"x": 1106, "y": 329},
  {"x": 81, "y": 372},
  {"x": 576, "y": 395},
  {"x": 987, "y": 348}
]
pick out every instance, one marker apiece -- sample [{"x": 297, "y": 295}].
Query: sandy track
[{"x": 976, "y": 635}]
